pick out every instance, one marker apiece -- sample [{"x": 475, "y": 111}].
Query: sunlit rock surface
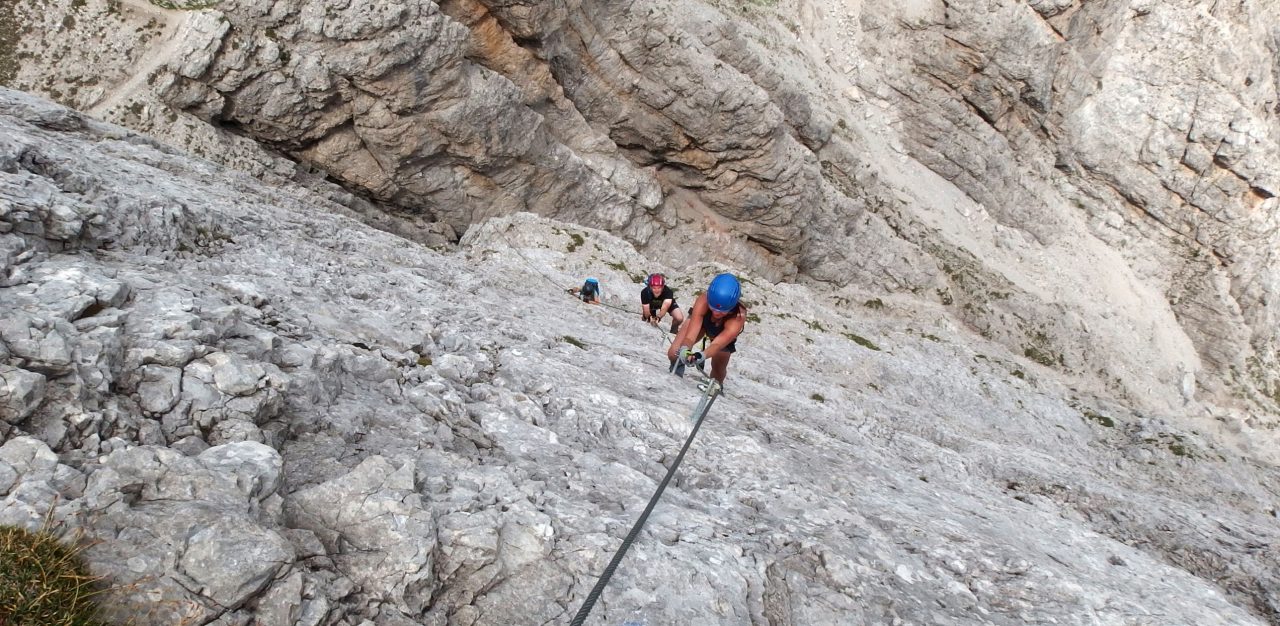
[{"x": 257, "y": 409}]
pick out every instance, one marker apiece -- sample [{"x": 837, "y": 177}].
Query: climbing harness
[{"x": 710, "y": 391}]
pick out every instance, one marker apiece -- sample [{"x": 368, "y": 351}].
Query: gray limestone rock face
[
  {"x": 376, "y": 529},
  {"x": 1076, "y": 114},
  {"x": 193, "y": 533},
  {"x": 313, "y": 82},
  {"x": 258, "y": 408},
  {"x": 39, "y": 487},
  {"x": 159, "y": 389},
  {"x": 257, "y": 467},
  {"x": 231, "y": 560},
  {"x": 282, "y": 604},
  {"x": 1051, "y": 171},
  {"x": 28, "y": 456},
  {"x": 20, "y": 393}
]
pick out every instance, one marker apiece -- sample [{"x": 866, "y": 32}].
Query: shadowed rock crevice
[{"x": 407, "y": 127}]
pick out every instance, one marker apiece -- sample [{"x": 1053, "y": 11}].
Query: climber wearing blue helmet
[
  {"x": 589, "y": 291},
  {"x": 718, "y": 315}
]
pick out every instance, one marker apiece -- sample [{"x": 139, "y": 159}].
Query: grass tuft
[
  {"x": 44, "y": 582},
  {"x": 1039, "y": 356},
  {"x": 1100, "y": 418},
  {"x": 573, "y": 342},
  {"x": 195, "y": 5},
  {"x": 862, "y": 341}
]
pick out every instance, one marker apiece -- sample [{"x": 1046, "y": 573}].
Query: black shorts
[
  {"x": 731, "y": 348},
  {"x": 654, "y": 307}
]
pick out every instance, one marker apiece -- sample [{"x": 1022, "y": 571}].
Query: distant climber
[
  {"x": 590, "y": 291},
  {"x": 657, "y": 301},
  {"x": 719, "y": 315}
]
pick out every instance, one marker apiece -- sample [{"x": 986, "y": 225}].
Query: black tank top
[
  {"x": 655, "y": 301},
  {"x": 712, "y": 327}
]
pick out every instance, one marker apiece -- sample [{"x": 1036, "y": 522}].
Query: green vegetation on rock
[{"x": 44, "y": 582}]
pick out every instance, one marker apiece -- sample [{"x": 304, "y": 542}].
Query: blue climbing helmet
[
  {"x": 593, "y": 281},
  {"x": 723, "y": 294}
]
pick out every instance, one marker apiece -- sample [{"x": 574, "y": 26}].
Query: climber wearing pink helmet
[{"x": 657, "y": 300}]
